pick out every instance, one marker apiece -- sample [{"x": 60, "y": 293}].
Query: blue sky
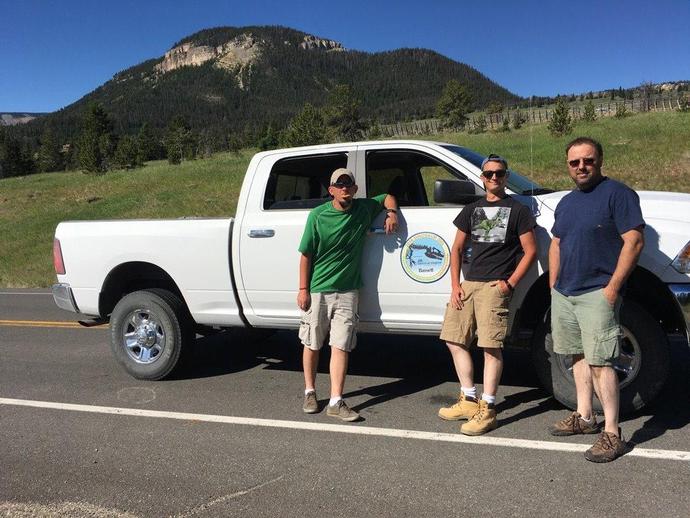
[{"x": 54, "y": 52}]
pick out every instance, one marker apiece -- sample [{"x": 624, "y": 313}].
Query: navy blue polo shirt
[{"x": 589, "y": 224}]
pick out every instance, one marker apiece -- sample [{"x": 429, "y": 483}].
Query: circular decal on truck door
[{"x": 425, "y": 257}]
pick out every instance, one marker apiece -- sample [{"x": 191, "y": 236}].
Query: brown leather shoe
[
  {"x": 607, "y": 448},
  {"x": 574, "y": 425},
  {"x": 342, "y": 411},
  {"x": 311, "y": 404}
]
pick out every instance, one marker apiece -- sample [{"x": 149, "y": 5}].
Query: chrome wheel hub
[{"x": 143, "y": 336}]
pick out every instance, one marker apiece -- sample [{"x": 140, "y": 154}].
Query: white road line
[
  {"x": 339, "y": 428},
  {"x": 20, "y": 293}
]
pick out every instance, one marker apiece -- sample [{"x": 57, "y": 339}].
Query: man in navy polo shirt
[{"x": 597, "y": 239}]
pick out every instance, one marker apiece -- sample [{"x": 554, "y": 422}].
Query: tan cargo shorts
[
  {"x": 334, "y": 312},
  {"x": 484, "y": 313},
  {"x": 586, "y": 324}
]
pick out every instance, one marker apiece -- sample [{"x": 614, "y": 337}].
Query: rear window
[{"x": 301, "y": 182}]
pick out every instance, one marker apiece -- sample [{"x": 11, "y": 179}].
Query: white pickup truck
[{"x": 160, "y": 282}]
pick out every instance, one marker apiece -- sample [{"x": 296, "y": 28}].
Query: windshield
[{"x": 516, "y": 182}]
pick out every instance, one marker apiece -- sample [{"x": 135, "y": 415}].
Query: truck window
[
  {"x": 408, "y": 175},
  {"x": 301, "y": 182}
]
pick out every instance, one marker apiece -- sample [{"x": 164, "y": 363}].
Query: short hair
[{"x": 586, "y": 140}]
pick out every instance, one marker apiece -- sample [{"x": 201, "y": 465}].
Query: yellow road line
[{"x": 43, "y": 323}]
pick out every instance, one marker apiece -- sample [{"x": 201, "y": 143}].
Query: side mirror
[{"x": 459, "y": 192}]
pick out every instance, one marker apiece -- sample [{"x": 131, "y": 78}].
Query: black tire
[
  {"x": 149, "y": 330},
  {"x": 642, "y": 370}
]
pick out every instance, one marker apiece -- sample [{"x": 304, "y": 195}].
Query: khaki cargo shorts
[
  {"x": 334, "y": 312},
  {"x": 484, "y": 312},
  {"x": 586, "y": 324}
]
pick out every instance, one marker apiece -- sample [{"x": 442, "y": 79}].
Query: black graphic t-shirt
[{"x": 493, "y": 229}]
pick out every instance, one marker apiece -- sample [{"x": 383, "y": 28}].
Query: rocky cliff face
[
  {"x": 312, "y": 42},
  {"x": 236, "y": 55}
]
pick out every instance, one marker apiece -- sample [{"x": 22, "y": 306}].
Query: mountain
[{"x": 239, "y": 79}]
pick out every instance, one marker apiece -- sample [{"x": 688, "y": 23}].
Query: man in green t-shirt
[{"x": 329, "y": 280}]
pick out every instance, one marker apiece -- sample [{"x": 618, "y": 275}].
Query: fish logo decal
[{"x": 425, "y": 257}]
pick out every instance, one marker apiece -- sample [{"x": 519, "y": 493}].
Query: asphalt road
[{"x": 249, "y": 449}]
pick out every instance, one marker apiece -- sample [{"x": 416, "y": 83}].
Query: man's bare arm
[
  {"x": 633, "y": 243},
  {"x": 554, "y": 260},
  {"x": 390, "y": 225},
  {"x": 457, "y": 293},
  {"x": 304, "y": 295},
  {"x": 529, "y": 248}
]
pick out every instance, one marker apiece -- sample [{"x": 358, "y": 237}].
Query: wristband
[
  {"x": 303, "y": 289},
  {"x": 510, "y": 286},
  {"x": 394, "y": 211}
]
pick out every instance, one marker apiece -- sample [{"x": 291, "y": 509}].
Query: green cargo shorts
[{"x": 586, "y": 324}]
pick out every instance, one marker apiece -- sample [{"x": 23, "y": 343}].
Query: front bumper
[
  {"x": 64, "y": 298},
  {"x": 682, "y": 294}
]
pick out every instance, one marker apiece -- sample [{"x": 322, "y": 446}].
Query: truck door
[
  {"x": 406, "y": 275},
  {"x": 284, "y": 189}
]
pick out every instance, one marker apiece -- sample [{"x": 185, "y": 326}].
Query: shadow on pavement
[{"x": 671, "y": 409}]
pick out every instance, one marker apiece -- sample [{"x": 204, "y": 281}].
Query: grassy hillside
[{"x": 650, "y": 151}]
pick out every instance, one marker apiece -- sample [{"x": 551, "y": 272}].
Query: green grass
[
  {"x": 646, "y": 151},
  {"x": 32, "y": 206}
]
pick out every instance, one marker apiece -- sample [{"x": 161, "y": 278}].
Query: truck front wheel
[
  {"x": 148, "y": 331},
  {"x": 642, "y": 366}
]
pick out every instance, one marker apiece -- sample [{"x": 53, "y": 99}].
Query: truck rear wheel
[
  {"x": 642, "y": 367},
  {"x": 148, "y": 332}
]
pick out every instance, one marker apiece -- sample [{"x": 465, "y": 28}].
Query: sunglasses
[
  {"x": 587, "y": 161},
  {"x": 342, "y": 185},
  {"x": 499, "y": 174}
]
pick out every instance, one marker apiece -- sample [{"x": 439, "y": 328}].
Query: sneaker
[
  {"x": 311, "y": 405},
  {"x": 607, "y": 448},
  {"x": 483, "y": 421},
  {"x": 465, "y": 408},
  {"x": 342, "y": 411},
  {"x": 574, "y": 425}
]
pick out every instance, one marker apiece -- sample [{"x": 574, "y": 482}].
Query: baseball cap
[
  {"x": 494, "y": 158},
  {"x": 341, "y": 172}
]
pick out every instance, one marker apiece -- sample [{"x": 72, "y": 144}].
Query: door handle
[{"x": 262, "y": 232}]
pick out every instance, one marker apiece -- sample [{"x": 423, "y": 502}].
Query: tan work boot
[
  {"x": 465, "y": 408},
  {"x": 483, "y": 421}
]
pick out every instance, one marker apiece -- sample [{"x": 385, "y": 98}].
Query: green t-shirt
[{"x": 335, "y": 240}]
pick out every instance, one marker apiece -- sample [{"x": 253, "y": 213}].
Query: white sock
[
  {"x": 586, "y": 420},
  {"x": 469, "y": 392},
  {"x": 307, "y": 391},
  {"x": 334, "y": 400},
  {"x": 489, "y": 399}
]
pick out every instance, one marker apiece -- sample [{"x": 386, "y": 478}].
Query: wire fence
[{"x": 493, "y": 121}]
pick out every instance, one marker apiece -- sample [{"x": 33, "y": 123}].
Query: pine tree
[
  {"x": 96, "y": 143},
  {"x": 147, "y": 145},
  {"x": 180, "y": 141},
  {"x": 454, "y": 105},
  {"x": 561, "y": 122},
  {"x": 14, "y": 160},
  {"x": 49, "y": 157},
  {"x": 305, "y": 129},
  {"x": 127, "y": 153},
  {"x": 270, "y": 139},
  {"x": 341, "y": 114},
  {"x": 519, "y": 118},
  {"x": 590, "y": 114}
]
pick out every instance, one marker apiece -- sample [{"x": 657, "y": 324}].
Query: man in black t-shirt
[{"x": 501, "y": 234}]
